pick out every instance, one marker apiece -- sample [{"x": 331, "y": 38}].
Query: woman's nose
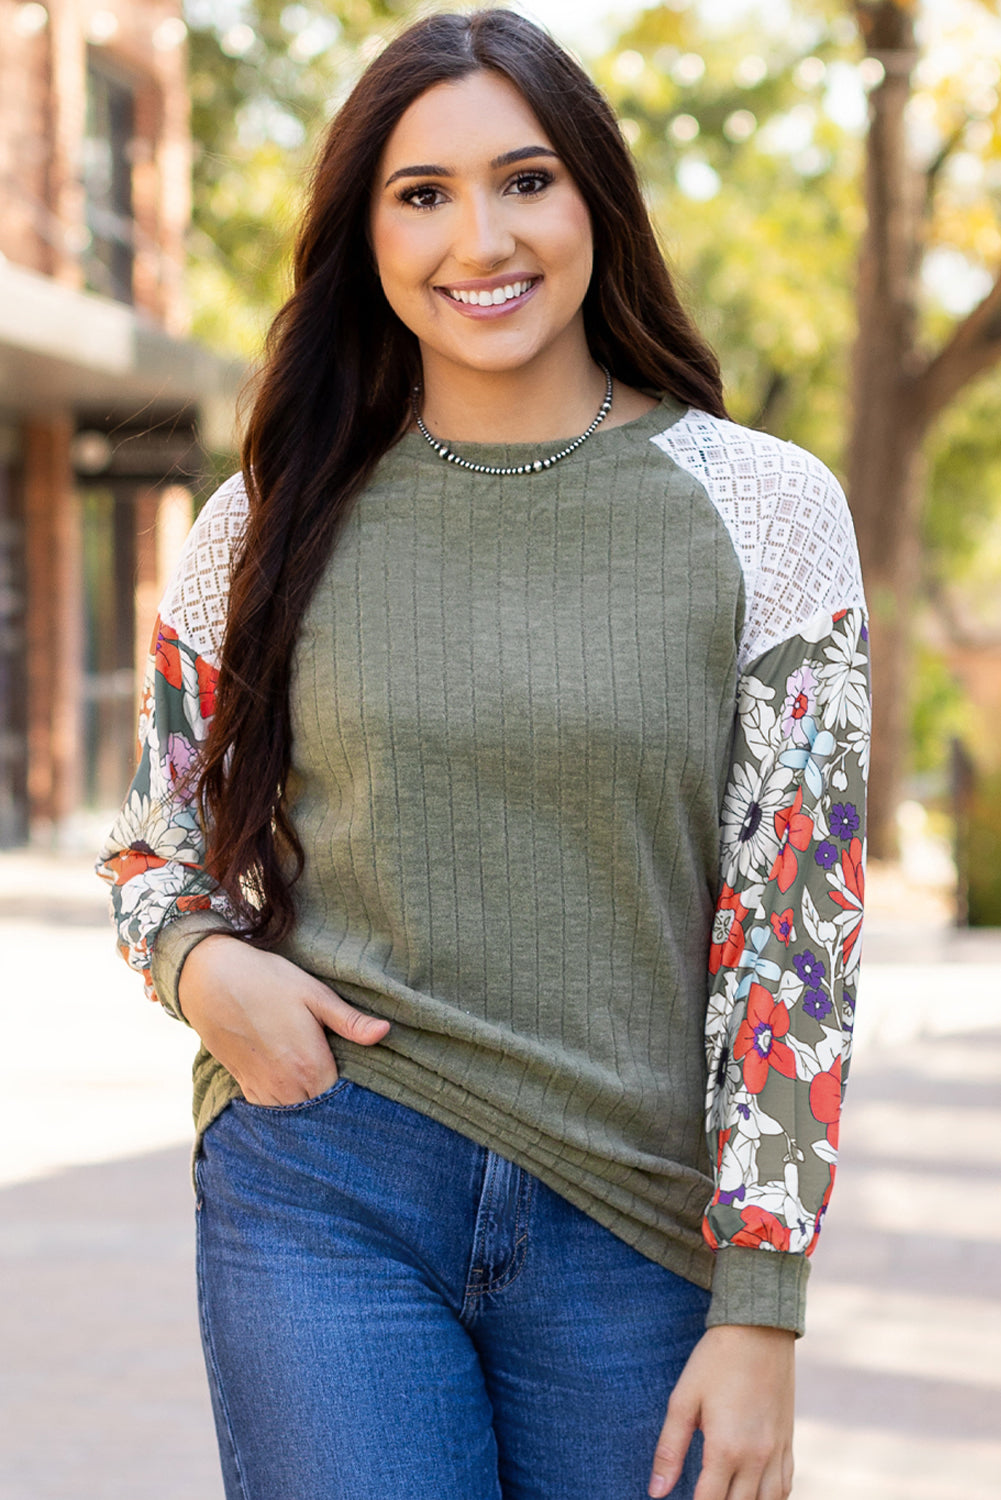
[{"x": 484, "y": 236}]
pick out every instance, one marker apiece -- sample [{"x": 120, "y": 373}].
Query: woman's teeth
[{"x": 491, "y": 299}]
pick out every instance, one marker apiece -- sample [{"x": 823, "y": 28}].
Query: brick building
[{"x": 107, "y": 408}]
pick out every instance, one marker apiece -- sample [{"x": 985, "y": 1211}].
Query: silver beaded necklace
[{"x": 445, "y": 452}]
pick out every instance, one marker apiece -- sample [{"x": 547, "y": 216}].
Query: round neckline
[{"x": 605, "y": 441}]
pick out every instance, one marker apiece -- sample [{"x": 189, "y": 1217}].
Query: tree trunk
[
  {"x": 884, "y": 461},
  {"x": 891, "y": 478}
]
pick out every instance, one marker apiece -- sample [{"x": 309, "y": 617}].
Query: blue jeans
[{"x": 392, "y": 1312}]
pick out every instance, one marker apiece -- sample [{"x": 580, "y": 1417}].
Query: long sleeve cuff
[
  {"x": 761, "y": 1287},
  {"x": 173, "y": 944}
]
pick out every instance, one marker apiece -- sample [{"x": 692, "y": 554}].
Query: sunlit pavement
[{"x": 103, "y": 1392}]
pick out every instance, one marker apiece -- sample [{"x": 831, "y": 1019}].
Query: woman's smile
[{"x": 493, "y": 297}]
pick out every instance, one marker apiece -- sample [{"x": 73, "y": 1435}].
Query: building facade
[{"x": 107, "y": 409}]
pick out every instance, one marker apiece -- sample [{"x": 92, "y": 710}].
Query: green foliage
[
  {"x": 964, "y": 484},
  {"x": 265, "y": 76},
  {"x": 961, "y": 567},
  {"x": 940, "y": 713},
  {"x": 755, "y": 187}
]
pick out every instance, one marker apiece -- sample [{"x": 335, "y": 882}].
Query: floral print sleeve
[
  {"x": 784, "y": 948},
  {"x": 154, "y": 855},
  {"x": 785, "y": 942}
]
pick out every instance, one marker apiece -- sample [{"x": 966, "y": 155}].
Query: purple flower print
[
  {"x": 816, "y": 1004},
  {"x": 845, "y": 821},
  {"x": 809, "y": 967},
  {"x": 764, "y": 1037},
  {"x": 826, "y": 855}
]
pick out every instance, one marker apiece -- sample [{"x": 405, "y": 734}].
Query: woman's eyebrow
[
  {"x": 426, "y": 169},
  {"x": 523, "y": 153}
]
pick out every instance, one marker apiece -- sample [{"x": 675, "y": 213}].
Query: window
[
  {"x": 107, "y": 179},
  {"x": 109, "y": 682}
]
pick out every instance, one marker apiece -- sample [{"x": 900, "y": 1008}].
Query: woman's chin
[{"x": 499, "y": 355}]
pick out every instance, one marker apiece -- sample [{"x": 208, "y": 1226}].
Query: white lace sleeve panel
[
  {"x": 195, "y": 601},
  {"x": 788, "y": 519}
]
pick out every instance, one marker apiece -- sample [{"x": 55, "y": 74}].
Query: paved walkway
[{"x": 103, "y": 1395}]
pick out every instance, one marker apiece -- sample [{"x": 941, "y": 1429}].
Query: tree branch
[
  {"x": 973, "y": 347},
  {"x": 934, "y": 169},
  {"x": 775, "y": 392}
]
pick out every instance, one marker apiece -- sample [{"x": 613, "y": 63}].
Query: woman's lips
[{"x": 492, "y": 310}]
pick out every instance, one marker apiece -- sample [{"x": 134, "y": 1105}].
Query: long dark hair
[{"x": 332, "y": 393}]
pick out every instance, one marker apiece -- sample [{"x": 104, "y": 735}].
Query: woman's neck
[{"x": 545, "y": 400}]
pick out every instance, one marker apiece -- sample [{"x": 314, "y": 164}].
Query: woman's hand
[
  {"x": 263, "y": 1019},
  {"x": 738, "y": 1387}
]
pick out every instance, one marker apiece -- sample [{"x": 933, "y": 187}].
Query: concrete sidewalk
[{"x": 103, "y": 1392}]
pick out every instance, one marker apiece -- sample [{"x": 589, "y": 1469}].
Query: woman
[{"x": 499, "y": 754}]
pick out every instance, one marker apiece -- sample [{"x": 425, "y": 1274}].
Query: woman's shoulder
[
  {"x": 786, "y": 515},
  {"x": 747, "y": 471},
  {"x": 224, "y": 513}
]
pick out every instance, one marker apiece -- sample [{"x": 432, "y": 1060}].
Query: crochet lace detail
[
  {"x": 787, "y": 517},
  {"x": 196, "y": 599}
]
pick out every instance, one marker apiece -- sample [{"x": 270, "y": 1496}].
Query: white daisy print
[{"x": 755, "y": 794}]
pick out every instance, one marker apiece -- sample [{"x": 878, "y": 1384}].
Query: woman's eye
[
  {"x": 527, "y": 184},
  {"x": 422, "y": 196}
]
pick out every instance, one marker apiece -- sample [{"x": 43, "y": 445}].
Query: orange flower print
[
  {"x": 728, "y": 933},
  {"x": 782, "y": 925},
  {"x": 193, "y": 903},
  {"x": 130, "y": 862},
  {"x": 758, "y": 1043},
  {"x": 168, "y": 656},
  {"x": 794, "y": 830},
  {"x": 825, "y": 1100},
  {"x": 208, "y": 679},
  {"x": 851, "y": 896},
  {"x": 761, "y": 1228}
]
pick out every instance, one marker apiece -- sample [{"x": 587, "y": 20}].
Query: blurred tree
[
  {"x": 902, "y": 386},
  {"x": 775, "y": 110}
]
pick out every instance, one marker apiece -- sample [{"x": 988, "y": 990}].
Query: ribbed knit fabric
[
  {"x": 512, "y": 706},
  {"x": 513, "y": 710}
]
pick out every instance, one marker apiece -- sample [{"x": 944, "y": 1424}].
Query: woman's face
[{"x": 482, "y": 240}]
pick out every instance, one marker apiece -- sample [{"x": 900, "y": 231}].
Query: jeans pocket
[{"x": 299, "y": 1108}]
